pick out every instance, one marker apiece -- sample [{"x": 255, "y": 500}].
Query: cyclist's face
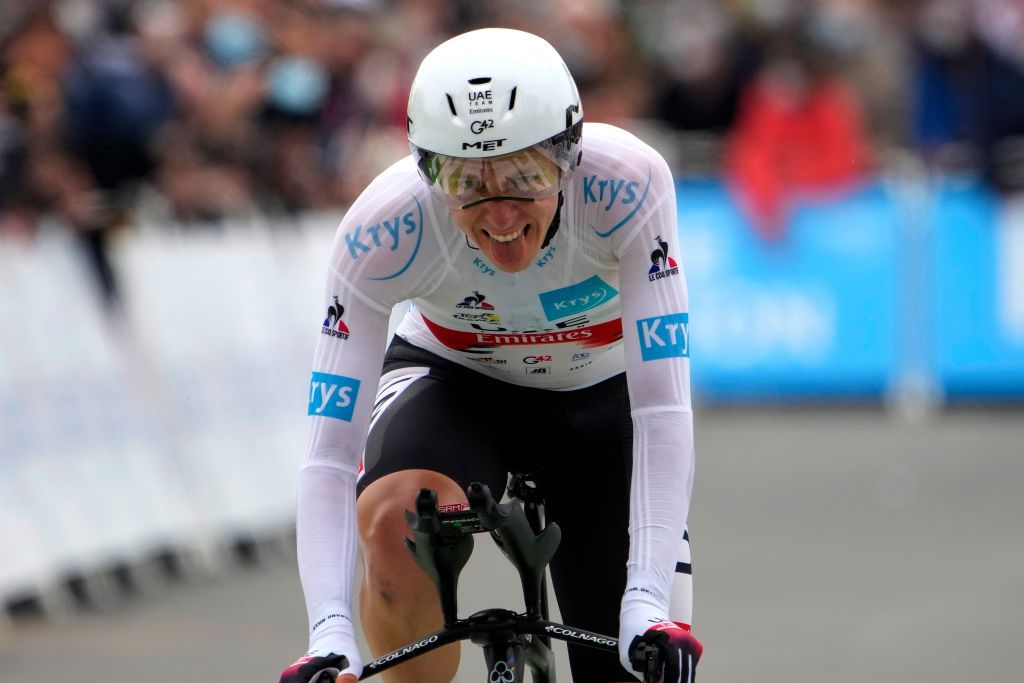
[{"x": 508, "y": 231}]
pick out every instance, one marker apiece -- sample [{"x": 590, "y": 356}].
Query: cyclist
[{"x": 547, "y": 332}]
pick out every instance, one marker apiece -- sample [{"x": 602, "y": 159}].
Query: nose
[{"x": 502, "y": 213}]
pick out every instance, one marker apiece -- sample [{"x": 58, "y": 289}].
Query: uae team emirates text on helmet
[{"x": 495, "y": 113}]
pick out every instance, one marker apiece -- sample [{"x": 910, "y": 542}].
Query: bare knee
[{"x": 389, "y": 569}]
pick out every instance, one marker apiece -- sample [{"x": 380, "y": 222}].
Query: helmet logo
[
  {"x": 485, "y": 145},
  {"x": 481, "y": 102},
  {"x": 480, "y": 126},
  {"x": 569, "y": 111}
]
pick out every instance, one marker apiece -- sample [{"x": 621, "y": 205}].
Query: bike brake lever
[
  {"x": 647, "y": 660},
  {"x": 325, "y": 676}
]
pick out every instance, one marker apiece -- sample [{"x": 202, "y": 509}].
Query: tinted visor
[{"x": 537, "y": 172}]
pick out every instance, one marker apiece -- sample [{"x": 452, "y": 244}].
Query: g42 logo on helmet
[{"x": 480, "y": 126}]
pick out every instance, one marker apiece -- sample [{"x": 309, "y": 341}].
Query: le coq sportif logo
[{"x": 333, "y": 325}]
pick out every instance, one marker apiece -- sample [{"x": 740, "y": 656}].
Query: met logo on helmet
[{"x": 485, "y": 145}]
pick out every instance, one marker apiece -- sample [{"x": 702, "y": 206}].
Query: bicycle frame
[{"x": 512, "y": 642}]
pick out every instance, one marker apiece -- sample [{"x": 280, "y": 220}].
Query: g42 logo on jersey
[
  {"x": 333, "y": 324},
  {"x": 399, "y": 234},
  {"x": 617, "y": 200},
  {"x": 664, "y": 336},
  {"x": 332, "y": 396}
]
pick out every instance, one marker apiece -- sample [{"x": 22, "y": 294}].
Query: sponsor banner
[
  {"x": 814, "y": 314},
  {"x": 602, "y": 334},
  {"x": 977, "y": 302}
]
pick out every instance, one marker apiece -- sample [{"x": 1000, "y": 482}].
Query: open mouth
[{"x": 509, "y": 236}]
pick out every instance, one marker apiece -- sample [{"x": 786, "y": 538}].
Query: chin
[{"x": 513, "y": 267}]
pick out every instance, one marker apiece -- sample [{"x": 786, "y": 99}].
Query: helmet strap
[{"x": 555, "y": 222}]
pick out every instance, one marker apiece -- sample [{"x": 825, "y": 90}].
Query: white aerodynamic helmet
[{"x": 500, "y": 95}]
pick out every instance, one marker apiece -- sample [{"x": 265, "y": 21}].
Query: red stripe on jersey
[{"x": 602, "y": 334}]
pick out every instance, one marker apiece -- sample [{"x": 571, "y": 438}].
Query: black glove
[
  {"x": 677, "y": 648},
  {"x": 311, "y": 669}
]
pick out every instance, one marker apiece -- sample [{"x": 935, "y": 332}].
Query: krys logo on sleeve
[
  {"x": 333, "y": 396},
  {"x": 398, "y": 234},
  {"x": 664, "y": 336}
]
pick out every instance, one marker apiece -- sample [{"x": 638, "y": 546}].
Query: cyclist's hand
[
  {"x": 314, "y": 667},
  {"x": 678, "y": 648}
]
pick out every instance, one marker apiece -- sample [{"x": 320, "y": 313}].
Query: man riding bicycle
[{"x": 548, "y": 333}]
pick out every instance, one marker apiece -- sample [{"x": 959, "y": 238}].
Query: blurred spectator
[
  {"x": 192, "y": 112},
  {"x": 703, "y": 60},
  {"x": 871, "y": 52},
  {"x": 115, "y": 102},
  {"x": 969, "y": 90},
  {"x": 799, "y": 132}
]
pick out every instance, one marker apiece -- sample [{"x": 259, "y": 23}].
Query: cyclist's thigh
[
  {"x": 424, "y": 418},
  {"x": 587, "y": 489}
]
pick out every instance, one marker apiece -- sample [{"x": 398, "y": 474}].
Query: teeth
[{"x": 506, "y": 238}]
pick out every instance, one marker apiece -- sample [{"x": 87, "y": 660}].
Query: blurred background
[{"x": 850, "y": 180}]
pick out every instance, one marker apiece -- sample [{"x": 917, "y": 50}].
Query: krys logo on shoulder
[
  {"x": 610, "y": 197},
  {"x": 401, "y": 234}
]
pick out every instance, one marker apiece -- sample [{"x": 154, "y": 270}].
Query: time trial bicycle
[{"x": 512, "y": 642}]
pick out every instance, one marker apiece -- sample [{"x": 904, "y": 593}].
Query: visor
[{"x": 533, "y": 173}]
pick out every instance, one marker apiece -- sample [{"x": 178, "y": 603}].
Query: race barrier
[
  {"x": 176, "y": 423},
  {"x": 889, "y": 289},
  {"x": 179, "y": 422}
]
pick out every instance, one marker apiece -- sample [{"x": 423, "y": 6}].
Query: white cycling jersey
[{"x": 606, "y": 295}]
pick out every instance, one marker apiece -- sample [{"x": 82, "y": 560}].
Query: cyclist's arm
[
  {"x": 341, "y": 391},
  {"x": 655, "y": 317},
  {"x": 378, "y": 237}
]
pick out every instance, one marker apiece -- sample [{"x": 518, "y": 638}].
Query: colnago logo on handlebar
[
  {"x": 570, "y": 634},
  {"x": 429, "y": 640}
]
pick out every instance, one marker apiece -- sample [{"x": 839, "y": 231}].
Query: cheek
[
  {"x": 463, "y": 220},
  {"x": 546, "y": 215}
]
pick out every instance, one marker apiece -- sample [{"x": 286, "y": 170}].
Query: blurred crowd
[{"x": 116, "y": 112}]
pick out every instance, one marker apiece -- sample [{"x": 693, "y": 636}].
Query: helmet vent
[
  {"x": 512, "y": 100},
  {"x": 480, "y": 81},
  {"x": 451, "y": 105}
]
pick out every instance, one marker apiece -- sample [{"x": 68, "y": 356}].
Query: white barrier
[{"x": 181, "y": 423}]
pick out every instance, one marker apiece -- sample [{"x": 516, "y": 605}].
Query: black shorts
[{"x": 433, "y": 414}]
